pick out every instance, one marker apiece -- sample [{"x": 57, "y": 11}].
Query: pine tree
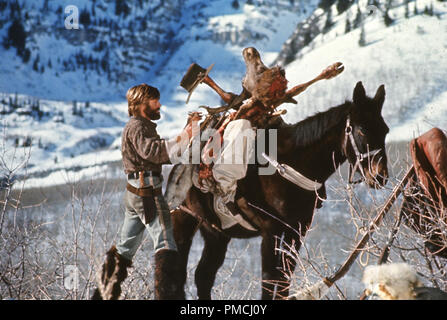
[
  {"x": 329, "y": 22},
  {"x": 84, "y": 18},
  {"x": 326, "y": 4},
  {"x": 362, "y": 39},
  {"x": 36, "y": 63},
  {"x": 26, "y": 55},
  {"x": 235, "y": 4},
  {"x": 387, "y": 19},
  {"x": 17, "y": 36},
  {"x": 307, "y": 37},
  {"x": 343, "y": 5},
  {"x": 416, "y": 12},
  {"x": 121, "y": 8},
  {"x": 74, "y": 110},
  {"x": 407, "y": 9},
  {"x": 348, "y": 25},
  {"x": 358, "y": 18}
]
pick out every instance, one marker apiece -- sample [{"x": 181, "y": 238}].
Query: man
[{"x": 143, "y": 154}]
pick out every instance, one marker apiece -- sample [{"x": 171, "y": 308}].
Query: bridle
[{"x": 359, "y": 156}]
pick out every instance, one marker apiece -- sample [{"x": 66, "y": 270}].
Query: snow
[
  {"x": 409, "y": 57},
  {"x": 410, "y": 62}
]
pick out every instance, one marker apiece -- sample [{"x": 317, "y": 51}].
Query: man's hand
[{"x": 193, "y": 119}]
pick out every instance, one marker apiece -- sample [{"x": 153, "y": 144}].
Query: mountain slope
[
  {"x": 409, "y": 57},
  {"x": 81, "y": 137}
]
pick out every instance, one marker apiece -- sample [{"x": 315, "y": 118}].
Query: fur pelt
[
  {"x": 398, "y": 281},
  {"x": 395, "y": 281},
  {"x": 113, "y": 273},
  {"x": 271, "y": 85},
  {"x": 167, "y": 285},
  {"x": 179, "y": 182}
]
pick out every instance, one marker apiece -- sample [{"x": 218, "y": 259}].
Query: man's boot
[
  {"x": 113, "y": 273},
  {"x": 167, "y": 284}
]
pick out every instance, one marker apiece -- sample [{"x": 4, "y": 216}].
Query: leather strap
[
  {"x": 136, "y": 175},
  {"x": 144, "y": 192},
  {"x": 141, "y": 173}
]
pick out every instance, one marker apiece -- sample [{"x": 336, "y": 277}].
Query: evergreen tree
[
  {"x": 249, "y": 2},
  {"x": 362, "y": 39},
  {"x": 343, "y": 5},
  {"x": 235, "y": 4},
  {"x": 26, "y": 55},
  {"x": 17, "y": 37},
  {"x": 348, "y": 25},
  {"x": 325, "y": 4},
  {"x": 74, "y": 110},
  {"x": 49, "y": 64},
  {"x": 329, "y": 23},
  {"x": 307, "y": 37},
  {"x": 387, "y": 19},
  {"x": 416, "y": 12},
  {"x": 36, "y": 63},
  {"x": 84, "y": 18},
  {"x": 121, "y": 8},
  {"x": 407, "y": 9},
  {"x": 358, "y": 18}
]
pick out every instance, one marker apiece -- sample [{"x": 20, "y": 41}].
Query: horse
[{"x": 315, "y": 147}]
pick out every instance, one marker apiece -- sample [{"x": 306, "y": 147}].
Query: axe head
[{"x": 193, "y": 77}]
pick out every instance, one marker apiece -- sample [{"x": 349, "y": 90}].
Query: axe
[{"x": 196, "y": 75}]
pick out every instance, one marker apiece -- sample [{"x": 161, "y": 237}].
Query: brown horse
[{"x": 353, "y": 131}]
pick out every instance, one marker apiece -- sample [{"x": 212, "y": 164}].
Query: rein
[{"x": 359, "y": 156}]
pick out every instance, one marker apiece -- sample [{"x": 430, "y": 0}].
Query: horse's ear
[
  {"x": 359, "y": 93},
  {"x": 380, "y": 97}
]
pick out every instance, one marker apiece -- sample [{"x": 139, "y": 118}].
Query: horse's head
[{"x": 364, "y": 141}]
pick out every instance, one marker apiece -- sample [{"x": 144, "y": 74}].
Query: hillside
[{"x": 78, "y": 136}]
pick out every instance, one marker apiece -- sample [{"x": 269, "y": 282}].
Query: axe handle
[{"x": 226, "y": 96}]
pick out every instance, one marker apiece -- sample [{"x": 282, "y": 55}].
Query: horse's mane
[{"x": 312, "y": 129}]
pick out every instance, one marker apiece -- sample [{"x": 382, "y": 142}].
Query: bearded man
[{"x": 143, "y": 153}]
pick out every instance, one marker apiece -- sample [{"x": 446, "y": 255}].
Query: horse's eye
[{"x": 361, "y": 131}]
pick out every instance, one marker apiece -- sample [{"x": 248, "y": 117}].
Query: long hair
[{"x": 138, "y": 94}]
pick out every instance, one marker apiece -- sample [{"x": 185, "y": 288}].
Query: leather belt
[
  {"x": 144, "y": 192},
  {"x": 136, "y": 175}
]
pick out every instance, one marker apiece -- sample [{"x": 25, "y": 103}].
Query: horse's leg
[
  {"x": 184, "y": 230},
  {"x": 277, "y": 267},
  {"x": 213, "y": 256}
]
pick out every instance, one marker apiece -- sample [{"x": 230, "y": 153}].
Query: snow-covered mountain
[
  {"x": 95, "y": 50},
  {"x": 72, "y": 110}
]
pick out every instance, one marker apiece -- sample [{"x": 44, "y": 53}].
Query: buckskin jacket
[{"x": 142, "y": 148}]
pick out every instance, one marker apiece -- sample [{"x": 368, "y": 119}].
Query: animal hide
[
  {"x": 179, "y": 182},
  {"x": 391, "y": 281},
  {"x": 112, "y": 274}
]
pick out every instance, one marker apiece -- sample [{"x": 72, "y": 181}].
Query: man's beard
[{"x": 154, "y": 115}]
